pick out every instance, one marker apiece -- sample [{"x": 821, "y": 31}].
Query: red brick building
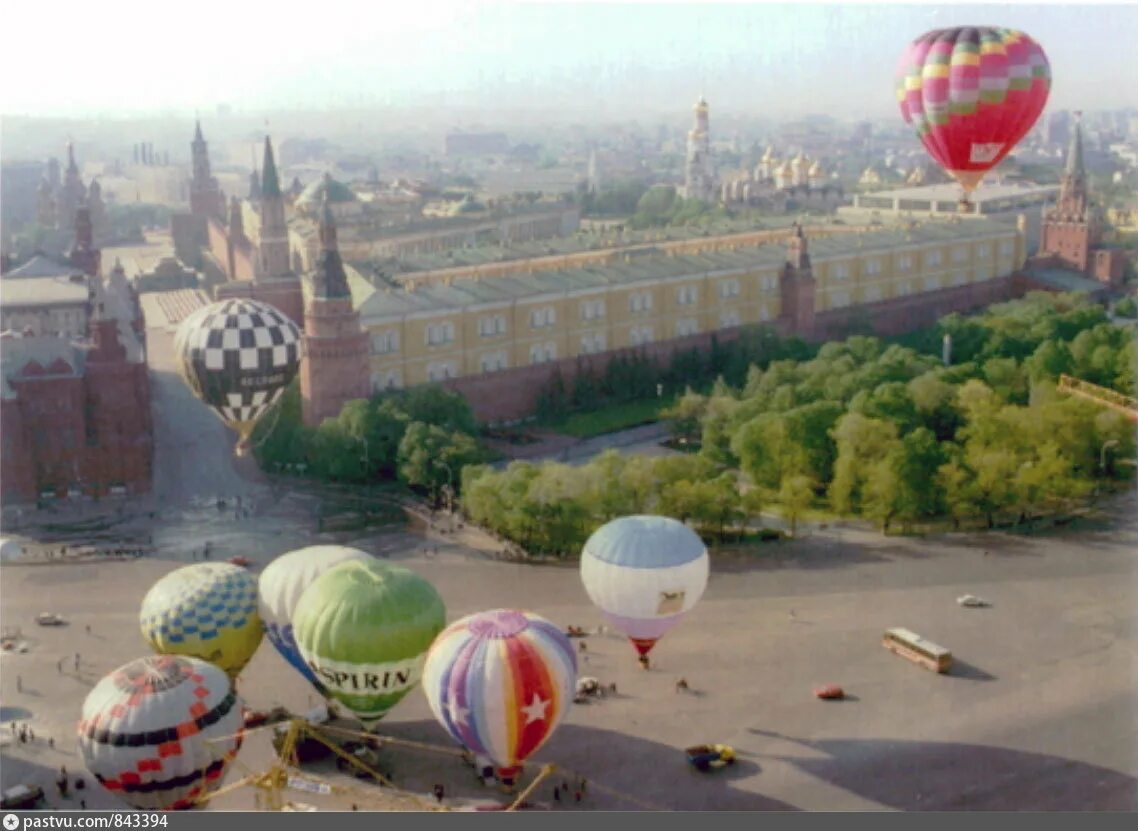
[
  {"x": 75, "y": 414},
  {"x": 335, "y": 366},
  {"x": 1072, "y": 229}
]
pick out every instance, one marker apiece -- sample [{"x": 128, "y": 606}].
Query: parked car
[
  {"x": 22, "y": 797},
  {"x": 829, "y": 692},
  {"x": 244, "y": 562},
  {"x": 50, "y": 619}
]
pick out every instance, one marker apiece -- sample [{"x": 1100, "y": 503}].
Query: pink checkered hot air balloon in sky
[
  {"x": 972, "y": 93},
  {"x": 500, "y": 682}
]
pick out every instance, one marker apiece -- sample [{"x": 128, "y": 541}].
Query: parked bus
[{"x": 912, "y": 646}]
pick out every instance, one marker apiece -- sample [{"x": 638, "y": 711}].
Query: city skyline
[{"x": 610, "y": 59}]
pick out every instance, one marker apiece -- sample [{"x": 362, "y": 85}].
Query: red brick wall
[
  {"x": 243, "y": 254},
  {"x": 1069, "y": 241},
  {"x": 513, "y": 393},
  {"x": 335, "y": 366},
  {"x": 93, "y": 431},
  {"x": 904, "y": 314}
]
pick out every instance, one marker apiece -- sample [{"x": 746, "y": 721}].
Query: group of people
[{"x": 565, "y": 788}]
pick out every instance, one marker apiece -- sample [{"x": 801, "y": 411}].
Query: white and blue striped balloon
[
  {"x": 644, "y": 573},
  {"x": 281, "y": 586}
]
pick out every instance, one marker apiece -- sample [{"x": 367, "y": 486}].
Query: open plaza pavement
[{"x": 1038, "y": 711}]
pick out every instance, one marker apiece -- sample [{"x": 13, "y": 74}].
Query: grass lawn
[{"x": 613, "y": 418}]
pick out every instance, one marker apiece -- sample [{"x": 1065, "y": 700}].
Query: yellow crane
[{"x": 285, "y": 772}]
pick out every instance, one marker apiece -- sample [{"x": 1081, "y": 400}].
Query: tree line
[
  {"x": 865, "y": 428},
  {"x": 422, "y": 436}
]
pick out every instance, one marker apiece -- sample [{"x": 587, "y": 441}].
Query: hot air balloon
[
  {"x": 364, "y": 627},
  {"x": 282, "y": 583},
  {"x": 238, "y": 356},
  {"x": 207, "y": 611},
  {"x": 971, "y": 93},
  {"x": 644, "y": 573},
  {"x": 500, "y": 682},
  {"x": 160, "y": 731}
]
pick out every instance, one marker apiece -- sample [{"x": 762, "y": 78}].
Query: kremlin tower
[{"x": 335, "y": 368}]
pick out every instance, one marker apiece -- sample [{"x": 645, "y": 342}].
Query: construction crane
[
  {"x": 1103, "y": 396},
  {"x": 285, "y": 772}
]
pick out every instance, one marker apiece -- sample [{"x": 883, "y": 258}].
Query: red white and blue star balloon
[{"x": 500, "y": 682}]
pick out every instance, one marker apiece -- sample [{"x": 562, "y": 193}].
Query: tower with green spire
[
  {"x": 336, "y": 368},
  {"x": 273, "y": 260},
  {"x": 1073, "y": 227}
]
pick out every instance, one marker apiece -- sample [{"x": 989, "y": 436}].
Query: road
[{"x": 193, "y": 449}]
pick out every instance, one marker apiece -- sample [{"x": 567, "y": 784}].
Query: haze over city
[
  {"x": 632, "y": 405},
  {"x": 545, "y": 59}
]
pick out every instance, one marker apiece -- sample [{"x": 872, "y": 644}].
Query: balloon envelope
[
  {"x": 500, "y": 682},
  {"x": 280, "y": 587},
  {"x": 363, "y": 628},
  {"x": 207, "y": 611},
  {"x": 238, "y": 356},
  {"x": 644, "y": 573},
  {"x": 160, "y": 731},
  {"x": 972, "y": 93}
]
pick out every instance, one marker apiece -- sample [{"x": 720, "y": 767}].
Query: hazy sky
[{"x": 72, "y": 58}]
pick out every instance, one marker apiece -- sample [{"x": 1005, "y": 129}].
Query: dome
[
  {"x": 816, "y": 169},
  {"x": 787, "y": 169},
  {"x": 769, "y": 155},
  {"x": 313, "y": 195}
]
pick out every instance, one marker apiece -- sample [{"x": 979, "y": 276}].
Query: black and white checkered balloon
[{"x": 238, "y": 356}]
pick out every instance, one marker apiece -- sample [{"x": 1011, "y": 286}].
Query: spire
[
  {"x": 1075, "y": 152},
  {"x": 71, "y": 166},
  {"x": 270, "y": 182},
  {"x": 329, "y": 282},
  {"x": 327, "y": 219},
  {"x": 84, "y": 255},
  {"x": 798, "y": 251},
  {"x": 236, "y": 221},
  {"x": 198, "y": 130}
]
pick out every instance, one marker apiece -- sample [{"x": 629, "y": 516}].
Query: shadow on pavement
[
  {"x": 945, "y": 776},
  {"x": 963, "y": 669},
  {"x": 654, "y": 774}
]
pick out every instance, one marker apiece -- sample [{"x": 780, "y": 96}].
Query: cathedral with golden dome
[{"x": 780, "y": 181}]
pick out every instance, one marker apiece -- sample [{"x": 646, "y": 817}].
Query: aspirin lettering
[{"x": 381, "y": 680}]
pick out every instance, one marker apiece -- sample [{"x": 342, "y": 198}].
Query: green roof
[
  {"x": 338, "y": 192},
  {"x": 652, "y": 264}
]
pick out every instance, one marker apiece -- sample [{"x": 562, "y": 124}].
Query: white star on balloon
[
  {"x": 536, "y": 709},
  {"x": 457, "y": 712}
]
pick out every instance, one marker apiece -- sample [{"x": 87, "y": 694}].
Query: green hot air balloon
[{"x": 363, "y": 627}]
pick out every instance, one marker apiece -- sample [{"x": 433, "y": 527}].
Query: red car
[
  {"x": 829, "y": 692},
  {"x": 244, "y": 562}
]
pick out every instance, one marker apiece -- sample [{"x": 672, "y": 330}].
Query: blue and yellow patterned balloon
[{"x": 207, "y": 611}]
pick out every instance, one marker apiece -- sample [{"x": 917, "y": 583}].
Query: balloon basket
[{"x": 964, "y": 206}]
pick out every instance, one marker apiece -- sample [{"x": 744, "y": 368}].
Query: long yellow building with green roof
[{"x": 427, "y": 330}]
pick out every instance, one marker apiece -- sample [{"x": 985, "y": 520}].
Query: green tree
[
  {"x": 861, "y": 442},
  {"x": 795, "y": 495},
  {"x": 430, "y": 458},
  {"x": 685, "y": 415}
]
